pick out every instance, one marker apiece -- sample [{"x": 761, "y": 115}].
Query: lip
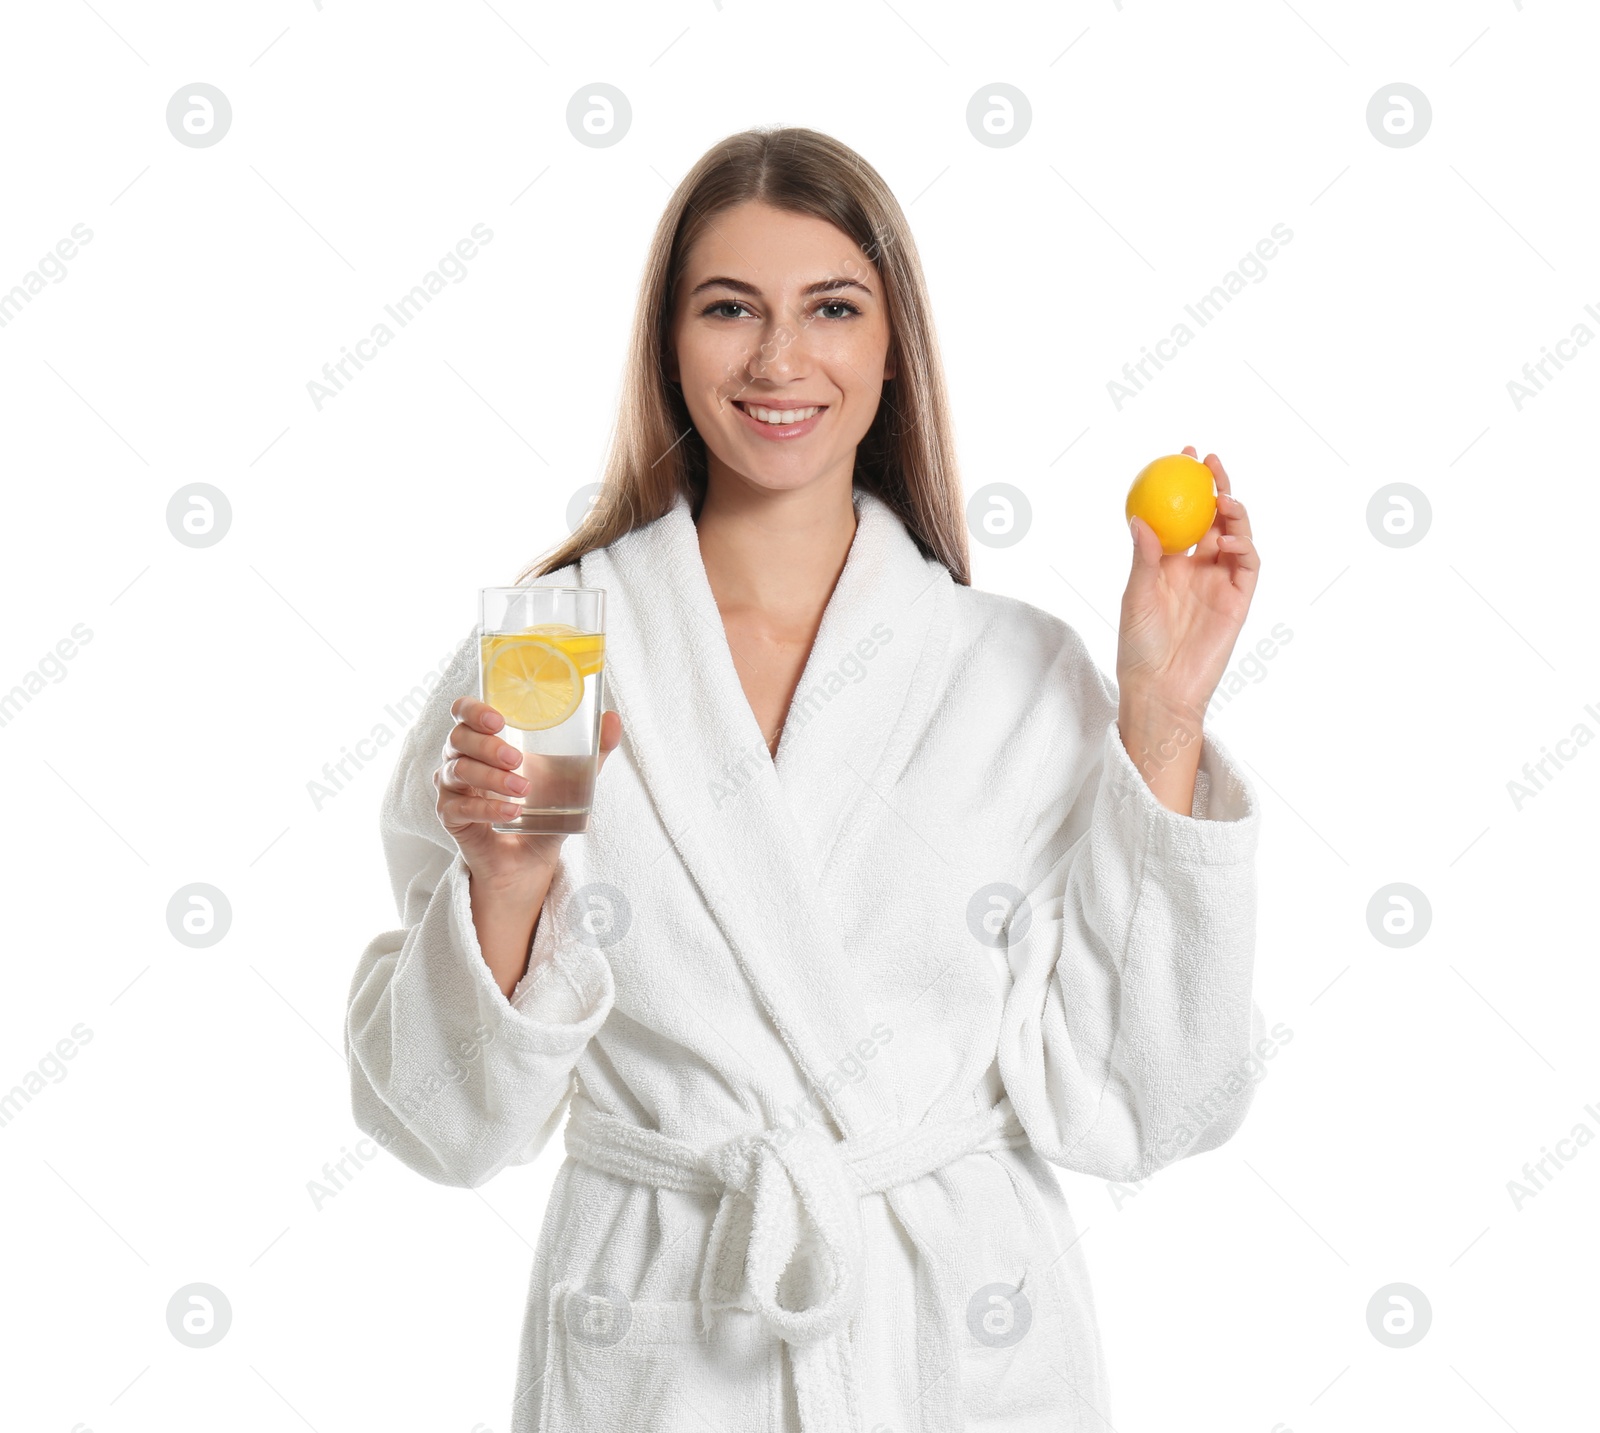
[{"x": 781, "y": 432}]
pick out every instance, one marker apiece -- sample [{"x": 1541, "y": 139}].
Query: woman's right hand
[{"x": 478, "y": 785}]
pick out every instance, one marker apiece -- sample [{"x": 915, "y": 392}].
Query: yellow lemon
[
  {"x": 1176, "y": 496},
  {"x": 533, "y": 685}
]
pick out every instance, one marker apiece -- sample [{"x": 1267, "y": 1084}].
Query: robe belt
[{"x": 781, "y": 1192}]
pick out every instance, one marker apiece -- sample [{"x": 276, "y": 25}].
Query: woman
[{"x": 888, "y": 900}]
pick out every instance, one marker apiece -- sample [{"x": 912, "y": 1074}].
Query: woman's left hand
[{"x": 1181, "y": 614}]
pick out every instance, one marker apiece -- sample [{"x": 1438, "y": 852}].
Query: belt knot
[{"x": 786, "y": 1240}]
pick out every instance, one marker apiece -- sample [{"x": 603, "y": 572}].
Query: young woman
[{"x": 888, "y": 898}]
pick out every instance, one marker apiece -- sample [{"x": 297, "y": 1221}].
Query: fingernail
[
  {"x": 519, "y": 784},
  {"x": 1133, "y": 532}
]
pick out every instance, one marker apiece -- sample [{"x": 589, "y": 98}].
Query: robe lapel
[
  {"x": 754, "y": 836},
  {"x": 858, "y": 700}
]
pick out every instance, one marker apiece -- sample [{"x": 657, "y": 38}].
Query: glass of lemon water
[{"x": 541, "y": 665}]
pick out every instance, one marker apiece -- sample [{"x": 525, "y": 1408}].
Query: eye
[
  {"x": 839, "y": 303},
  {"x": 711, "y": 309}
]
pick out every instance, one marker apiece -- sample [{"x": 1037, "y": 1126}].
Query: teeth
[{"x": 787, "y": 415}]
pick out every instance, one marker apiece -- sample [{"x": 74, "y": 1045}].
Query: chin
[
  {"x": 780, "y": 482},
  {"x": 774, "y": 482}
]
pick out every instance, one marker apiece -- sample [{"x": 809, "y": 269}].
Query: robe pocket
[
  {"x": 646, "y": 1366},
  {"x": 1015, "y": 1373}
]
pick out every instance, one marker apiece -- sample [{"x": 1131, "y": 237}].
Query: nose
[{"x": 782, "y": 352}]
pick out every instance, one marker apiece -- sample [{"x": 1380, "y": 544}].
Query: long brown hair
[{"x": 907, "y": 457}]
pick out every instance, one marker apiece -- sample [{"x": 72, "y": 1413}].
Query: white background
[{"x": 1166, "y": 140}]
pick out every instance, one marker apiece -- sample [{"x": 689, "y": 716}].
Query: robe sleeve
[
  {"x": 1129, "y": 1031},
  {"x": 447, "y": 1074}
]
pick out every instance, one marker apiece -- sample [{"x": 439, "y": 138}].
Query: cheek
[
  {"x": 864, "y": 344},
  {"x": 855, "y": 362},
  {"x": 714, "y": 365},
  {"x": 714, "y": 400}
]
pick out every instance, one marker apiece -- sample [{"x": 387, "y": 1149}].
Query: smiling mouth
[{"x": 779, "y": 417}]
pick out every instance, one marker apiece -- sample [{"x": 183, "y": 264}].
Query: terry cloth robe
[{"x": 823, "y": 1022}]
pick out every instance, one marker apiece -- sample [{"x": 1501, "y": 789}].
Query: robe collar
[{"x": 759, "y": 837}]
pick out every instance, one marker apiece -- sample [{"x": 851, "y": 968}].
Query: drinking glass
[{"x": 541, "y": 665}]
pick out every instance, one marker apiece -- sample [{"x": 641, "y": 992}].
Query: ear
[{"x": 889, "y": 368}]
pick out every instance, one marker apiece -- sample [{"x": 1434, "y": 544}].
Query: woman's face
[{"x": 779, "y": 312}]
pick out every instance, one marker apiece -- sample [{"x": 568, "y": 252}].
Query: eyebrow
[{"x": 822, "y": 286}]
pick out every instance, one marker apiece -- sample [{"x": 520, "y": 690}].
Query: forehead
[{"x": 773, "y": 248}]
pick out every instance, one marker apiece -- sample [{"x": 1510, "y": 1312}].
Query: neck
[{"x": 776, "y": 553}]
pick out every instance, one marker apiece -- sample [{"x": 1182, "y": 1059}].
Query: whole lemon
[{"x": 1175, "y": 494}]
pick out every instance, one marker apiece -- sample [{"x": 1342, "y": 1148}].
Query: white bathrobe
[{"x": 822, "y": 1020}]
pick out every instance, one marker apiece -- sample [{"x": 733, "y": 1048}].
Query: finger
[
  {"x": 491, "y": 750},
  {"x": 1242, "y": 550},
  {"x": 463, "y": 774},
  {"x": 480, "y": 716},
  {"x": 1146, "y": 548},
  {"x": 610, "y": 737},
  {"x": 457, "y": 810},
  {"x": 476, "y": 723},
  {"x": 1207, "y": 549},
  {"x": 1234, "y": 518},
  {"x": 1230, "y": 515}
]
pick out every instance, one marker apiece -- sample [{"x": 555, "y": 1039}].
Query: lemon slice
[
  {"x": 533, "y": 685},
  {"x": 587, "y": 649}
]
